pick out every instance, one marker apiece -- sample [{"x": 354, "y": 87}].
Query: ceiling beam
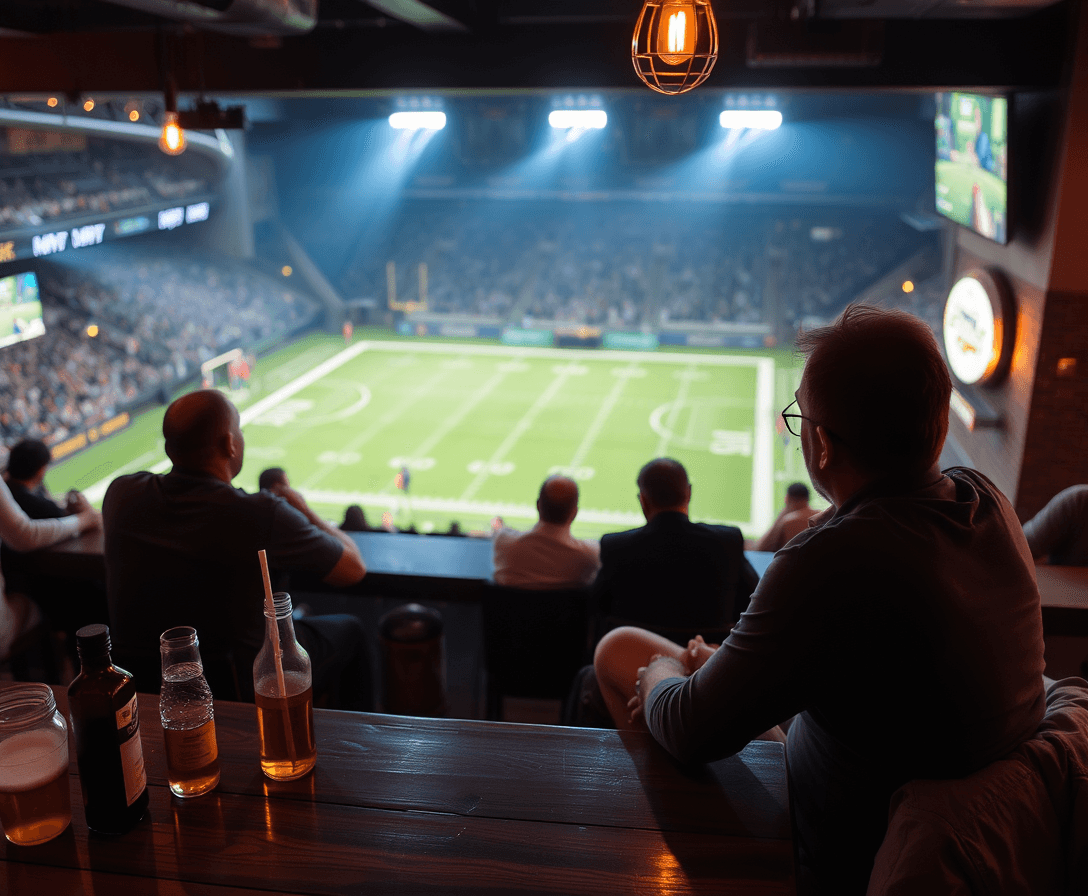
[
  {"x": 425, "y": 16},
  {"x": 1021, "y": 54}
]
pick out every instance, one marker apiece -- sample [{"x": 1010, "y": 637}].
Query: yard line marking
[
  {"x": 669, "y": 428},
  {"x": 307, "y": 379},
  {"x": 97, "y": 491},
  {"x": 597, "y": 424},
  {"x": 762, "y": 507},
  {"x": 394, "y": 413},
  {"x": 450, "y": 423},
  {"x": 516, "y": 433},
  {"x": 564, "y": 354},
  {"x": 487, "y": 509}
]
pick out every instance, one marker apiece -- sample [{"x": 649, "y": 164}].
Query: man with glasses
[{"x": 901, "y": 632}]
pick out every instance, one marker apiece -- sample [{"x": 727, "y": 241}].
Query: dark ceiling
[{"x": 80, "y": 46}]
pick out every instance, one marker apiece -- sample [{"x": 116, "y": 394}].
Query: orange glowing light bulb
[{"x": 676, "y": 32}]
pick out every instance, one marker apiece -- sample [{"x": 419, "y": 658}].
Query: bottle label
[
  {"x": 193, "y": 747},
  {"x": 132, "y": 752}
]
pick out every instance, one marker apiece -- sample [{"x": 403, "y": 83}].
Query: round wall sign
[{"x": 977, "y": 328}]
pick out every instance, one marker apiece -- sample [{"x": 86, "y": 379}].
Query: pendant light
[{"x": 675, "y": 44}]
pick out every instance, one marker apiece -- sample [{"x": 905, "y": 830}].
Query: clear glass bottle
[
  {"x": 106, "y": 725},
  {"x": 283, "y": 691},
  {"x": 35, "y": 802},
  {"x": 188, "y": 716}
]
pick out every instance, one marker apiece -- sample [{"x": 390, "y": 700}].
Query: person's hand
[
  {"x": 659, "y": 668},
  {"x": 292, "y": 497},
  {"x": 76, "y": 502},
  {"x": 697, "y": 654},
  {"x": 89, "y": 519}
]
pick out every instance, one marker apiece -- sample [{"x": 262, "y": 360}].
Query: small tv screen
[
  {"x": 973, "y": 162},
  {"x": 20, "y": 308}
]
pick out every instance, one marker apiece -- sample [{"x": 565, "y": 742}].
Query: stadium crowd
[
  {"x": 632, "y": 265},
  {"x": 36, "y": 188},
  {"x": 156, "y": 321}
]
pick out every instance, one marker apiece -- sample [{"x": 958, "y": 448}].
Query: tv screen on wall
[
  {"x": 20, "y": 308},
  {"x": 973, "y": 162}
]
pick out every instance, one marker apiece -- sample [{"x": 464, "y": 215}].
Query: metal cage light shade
[{"x": 675, "y": 44}]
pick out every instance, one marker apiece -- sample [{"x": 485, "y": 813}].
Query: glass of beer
[{"x": 35, "y": 800}]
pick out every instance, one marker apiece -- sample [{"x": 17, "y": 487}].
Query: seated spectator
[
  {"x": 182, "y": 549},
  {"x": 273, "y": 478},
  {"x": 27, "y": 462},
  {"x": 901, "y": 632},
  {"x": 547, "y": 556},
  {"x": 792, "y": 519},
  {"x": 1058, "y": 533},
  {"x": 354, "y": 519},
  {"x": 19, "y": 614},
  {"x": 673, "y": 573},
  {"x": 68, "y": 608}
]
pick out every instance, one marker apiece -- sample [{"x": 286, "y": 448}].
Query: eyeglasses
[{"x": 787, "y": 418}]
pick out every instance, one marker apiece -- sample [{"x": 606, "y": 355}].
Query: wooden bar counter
[{"x": 410, "y": 806}]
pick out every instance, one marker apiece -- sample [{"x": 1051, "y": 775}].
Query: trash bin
[{"x": 413, "y": 661}]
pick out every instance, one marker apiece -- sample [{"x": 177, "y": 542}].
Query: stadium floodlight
[
  {"x": 757, "y": 119},
  {"x": 584, "y": 119},
  {"x": 418, "y": 121}
]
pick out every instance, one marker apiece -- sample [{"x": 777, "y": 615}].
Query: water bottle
[{"x": 188, "y": 717}]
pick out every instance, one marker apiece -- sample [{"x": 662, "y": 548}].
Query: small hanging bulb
[
  {"x": 675, "y": 44},
  {"x": 172, "y": 139},
  {"x": 676, "y": 32}
]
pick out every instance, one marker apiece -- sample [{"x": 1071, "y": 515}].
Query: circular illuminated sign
[{"x": 977, "y": 329}]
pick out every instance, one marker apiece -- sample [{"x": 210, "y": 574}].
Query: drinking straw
[{"x": 277, "y": 649}]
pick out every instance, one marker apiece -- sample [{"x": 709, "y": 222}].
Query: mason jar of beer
[
  {"x": 35, "y": 804},
  {"x": 188, "y": 716},
  {"x": 106, "y": 726},
  {"x": 283, "y": 692}
]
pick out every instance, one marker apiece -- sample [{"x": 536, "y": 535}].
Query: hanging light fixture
[
  {"x": 172, "y": 138},
  {"x": 675, "y": 44}
]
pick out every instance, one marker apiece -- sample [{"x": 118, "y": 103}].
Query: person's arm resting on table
[{"x": 755, "y": 680}]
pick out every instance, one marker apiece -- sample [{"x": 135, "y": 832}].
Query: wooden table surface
[{"x": 406, "y": 805}]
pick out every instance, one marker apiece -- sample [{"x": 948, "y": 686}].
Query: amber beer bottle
[
  {"x": 284, "y": 696},
  {"x": 106, "y": 726}
]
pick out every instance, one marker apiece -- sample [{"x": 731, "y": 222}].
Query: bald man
[
  {"x": 547, "y": 556},
  {"x": 182, "y": 549}
]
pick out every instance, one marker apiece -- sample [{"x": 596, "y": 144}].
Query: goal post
[{"x": 214, "y": 371}]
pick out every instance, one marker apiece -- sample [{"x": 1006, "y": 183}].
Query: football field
[{"x": 479, "y": 426}]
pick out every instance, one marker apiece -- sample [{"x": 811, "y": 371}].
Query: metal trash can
[{"x": 413, "y": 661}]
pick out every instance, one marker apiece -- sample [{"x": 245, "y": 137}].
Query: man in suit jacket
[{"x": 673, "y": 573}]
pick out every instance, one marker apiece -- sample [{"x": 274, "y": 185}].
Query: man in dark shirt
[
  {"x": 182, "y": 549},
  {"x": 673, "y": 574},
  {"x": 901, "y": 631}
]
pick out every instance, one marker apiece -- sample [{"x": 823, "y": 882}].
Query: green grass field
[
  {"x": 480, "y": 425},
  {"x": 27, "y": 312},
  {"x": 959, "y": 178}
]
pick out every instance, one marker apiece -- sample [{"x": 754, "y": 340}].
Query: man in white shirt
[{"x": 547, "y": 556}]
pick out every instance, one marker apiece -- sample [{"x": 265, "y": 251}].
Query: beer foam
[{"x": 32, "y": 758}]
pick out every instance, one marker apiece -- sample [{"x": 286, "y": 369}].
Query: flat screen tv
[
  {"x": 20, "y": 308},
  {"x": 973, "y": 162}
]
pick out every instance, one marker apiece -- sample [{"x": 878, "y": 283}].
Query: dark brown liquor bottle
[{"x": 106, "y": 725}]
